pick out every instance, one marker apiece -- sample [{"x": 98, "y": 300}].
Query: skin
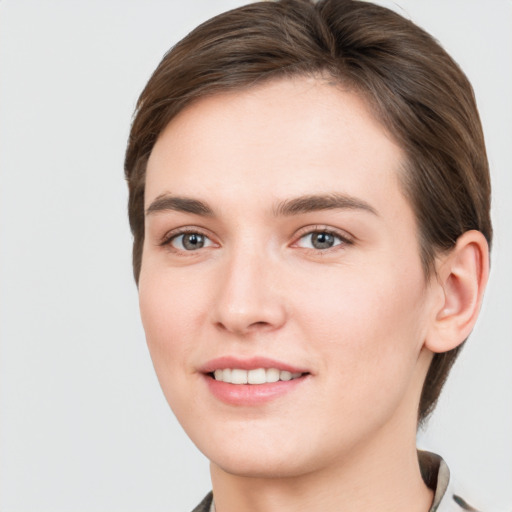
[{"x": 359, "y": 316}]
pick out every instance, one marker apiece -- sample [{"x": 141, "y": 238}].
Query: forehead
[{"x": 283, "y": 138}]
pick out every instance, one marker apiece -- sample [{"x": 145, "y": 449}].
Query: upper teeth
[{"x": 257, "y": 376}]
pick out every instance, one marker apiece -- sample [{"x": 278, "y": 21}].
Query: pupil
[
  {"x": 193, "y": 241},
  {"x": 322, "y": 240}
]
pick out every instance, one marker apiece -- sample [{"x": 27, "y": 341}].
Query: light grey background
[{"x": 83, "y": 423}]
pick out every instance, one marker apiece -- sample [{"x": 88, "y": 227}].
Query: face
[{"x": 281, "y": 290}]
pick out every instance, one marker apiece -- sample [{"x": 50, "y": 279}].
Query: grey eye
[
  {"x": 320, "y": 240},
  {"x": 190, "y": 241}
]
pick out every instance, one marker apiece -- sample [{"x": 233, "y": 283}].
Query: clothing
[{"x": 435, "y": 473}]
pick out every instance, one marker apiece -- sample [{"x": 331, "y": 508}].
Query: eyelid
[
  {"x": 343, "y": 235},
  {"x": 169, "y": 236}
]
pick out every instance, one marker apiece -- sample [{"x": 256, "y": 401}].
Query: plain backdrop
[{"x": 83, "y": 423}]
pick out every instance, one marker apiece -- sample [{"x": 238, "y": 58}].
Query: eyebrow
[
  {"x": 167, "y": 202},
  {"x": 312, "y": 203},
  {"x": 289, "y": 207}
]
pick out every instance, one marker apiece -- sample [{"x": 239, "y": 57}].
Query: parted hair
[{"x": 413, "y": 87}]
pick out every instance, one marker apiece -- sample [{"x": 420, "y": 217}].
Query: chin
[
  {"x": 252, "y": 461},
  {"x": 266, "y": 455},
  {"x": 250, "y": 466}
]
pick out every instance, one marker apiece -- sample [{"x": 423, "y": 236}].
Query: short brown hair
[{"x": 414, "y": 87}]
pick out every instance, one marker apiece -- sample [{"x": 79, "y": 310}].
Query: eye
[
  {"x": 320, "y": 240},
  {"x": 190, "y": 241}
]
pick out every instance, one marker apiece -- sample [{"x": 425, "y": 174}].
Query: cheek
[
  {"x": 170, "y": 301},
  {"x": 350, "y": 302},
  {"x": 170, "y": 313},
  {"x": 169, "y": 317},
  {"x": 371, "y": 353},
  {"x": 369, "y": 326}
]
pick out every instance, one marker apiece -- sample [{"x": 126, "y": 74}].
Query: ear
[{"x": 461, "y": 277}]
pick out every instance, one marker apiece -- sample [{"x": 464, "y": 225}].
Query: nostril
[
  {"x": 259, "y": 324},
  {"x": 241, "y": 327}
]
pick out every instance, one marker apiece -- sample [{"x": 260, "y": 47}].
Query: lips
[
  {"x": 249, "y": 364},
  {"x": 251, "y": 381}
]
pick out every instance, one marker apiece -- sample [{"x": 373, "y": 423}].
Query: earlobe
[{"x": 461, "y": 278}]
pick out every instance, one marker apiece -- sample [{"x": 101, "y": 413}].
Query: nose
[{"x": 249, "y": 297}]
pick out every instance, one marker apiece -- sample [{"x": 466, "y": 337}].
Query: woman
[{"x": 309, "y": 198}]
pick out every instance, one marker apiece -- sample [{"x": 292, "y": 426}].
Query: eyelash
[
  {"x": 173, "y": 235},
  {"x": 344, "y": 239}
]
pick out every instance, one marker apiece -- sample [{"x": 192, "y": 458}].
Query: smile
[
  {"x": 255, "y": 376},
  {"x": 252, "y": 382}
]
